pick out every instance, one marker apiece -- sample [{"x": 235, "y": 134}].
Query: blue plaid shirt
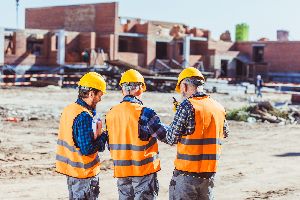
[
  {"x": 149, "y": 123},
  {"x": 83, "y": 134},
  {"x": 184, "y": 121}
]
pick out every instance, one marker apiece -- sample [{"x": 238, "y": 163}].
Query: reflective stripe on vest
[
  {"x": 131, "y": 156},
  {"x": 78, "y": 164},
  {"x": 198, "y": 157},
  {"x": 69, "y": 160},
  {"x": 201, "y": 141},
  {"x": 134, "y": 162},
  {"x": 200, "y": 151},
  {"x": 65, "y": 144},
  {"x": 132, "y": 147}
]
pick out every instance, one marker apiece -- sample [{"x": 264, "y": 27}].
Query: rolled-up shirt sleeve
[{"x": 183, "y": 123}]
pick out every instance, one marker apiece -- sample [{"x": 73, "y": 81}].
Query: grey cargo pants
[
  {"x": 191, "y": 188},
  {"x": 83, "y": 189},
  {"x": 138, "y": 188}
]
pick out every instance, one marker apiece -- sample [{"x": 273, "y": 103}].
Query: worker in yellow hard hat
[
  {"x": 133, "y": 130},
  {"x": 198, "y": 129},
  {"x": 80, "y": 138}
]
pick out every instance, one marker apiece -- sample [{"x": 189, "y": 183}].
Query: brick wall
[
  {"x": 133, "y": 44},
  {"x": 244, "y": 47},
  {"x": 103, "y": 42},
  {"x": 46, "y": 45},
  {"x": 45, "y": 18},
  {"x": 283, "y": 56},
  {"x": 87, "y": 41},
  {"x": 132, "y": 58},
  {"x": 101, "y": 18},
  {"x": 176, "y": 51},
  {"x": 80, "y": 18},
  {"x": 280, "y": 56},
  {"x": 142, "y": 28},
  {"x": 198, "y": 47},
  {"x": 73, "y": 53},
  {"x": 109, "y": 44},
  {"x": 107, "y": 19}
]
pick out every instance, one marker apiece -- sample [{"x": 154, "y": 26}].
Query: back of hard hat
[
  {"x": 133, "y": 76},
  {"x": 187, "y": 73},
  {"x": 93, "y": 80}
]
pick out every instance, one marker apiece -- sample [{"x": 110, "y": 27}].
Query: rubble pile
[
  {"x": 13, "y": 113},
  {"x": 266, "y": 112}
]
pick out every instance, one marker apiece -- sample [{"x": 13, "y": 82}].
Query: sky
[{"x": 264, "y": 17}]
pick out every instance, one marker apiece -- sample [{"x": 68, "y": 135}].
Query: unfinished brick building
[
  {"x": 156, "y": 45},
  {"x": 152, "y": 44},
  {"x": 277, "y": 61}
]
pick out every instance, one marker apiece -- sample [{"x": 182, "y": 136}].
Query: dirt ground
[{"x": 259, "y": 160}]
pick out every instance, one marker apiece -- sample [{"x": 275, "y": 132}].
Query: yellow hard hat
[
  {"x": 93, "y": 80},
  {"x": 187, "y": 73},
  {"x": 133, "y": 76}
]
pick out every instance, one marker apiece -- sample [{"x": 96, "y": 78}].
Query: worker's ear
[
  {"x": 139, "y": 92},
  {"x": 185, "y": 87},
  {"x": 91, "y": 94}
]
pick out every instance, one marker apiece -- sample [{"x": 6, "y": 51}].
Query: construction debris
[
  {"x": 13, "y": 119},
  {"x": 11, "y": 113},
  {"x": 266, "y": 112}
]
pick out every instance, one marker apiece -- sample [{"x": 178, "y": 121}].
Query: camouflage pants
[
  {"x": 83, "y": 189},
  {"x": 138, "y": 188},
  {"x": 191, "y": 188}
]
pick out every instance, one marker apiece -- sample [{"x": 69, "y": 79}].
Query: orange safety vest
[
  {"x": 200, "y": 151},
  {"x": 69, "y": 160},
  {"x": 131, "y": 156}
]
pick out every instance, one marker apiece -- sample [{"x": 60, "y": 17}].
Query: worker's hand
[{"x": 98, "y": 131}]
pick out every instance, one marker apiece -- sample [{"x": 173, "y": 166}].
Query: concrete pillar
[
  {"x": 20, "y": 43},
  {"x": 61, "y": 47},
  {"x": 150, "y": 50},
  {"x": 186, "y": 50},
  {"x": 2, "y": 46},
  {"x": 116, "y": 47}
]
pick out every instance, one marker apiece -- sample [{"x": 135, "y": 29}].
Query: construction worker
[
  {"x": 259, "y": 85},
  {"x": 133, "y": 130},
  {"x": 198, "y": 129},
  {"x": 78, "y": 144}
]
